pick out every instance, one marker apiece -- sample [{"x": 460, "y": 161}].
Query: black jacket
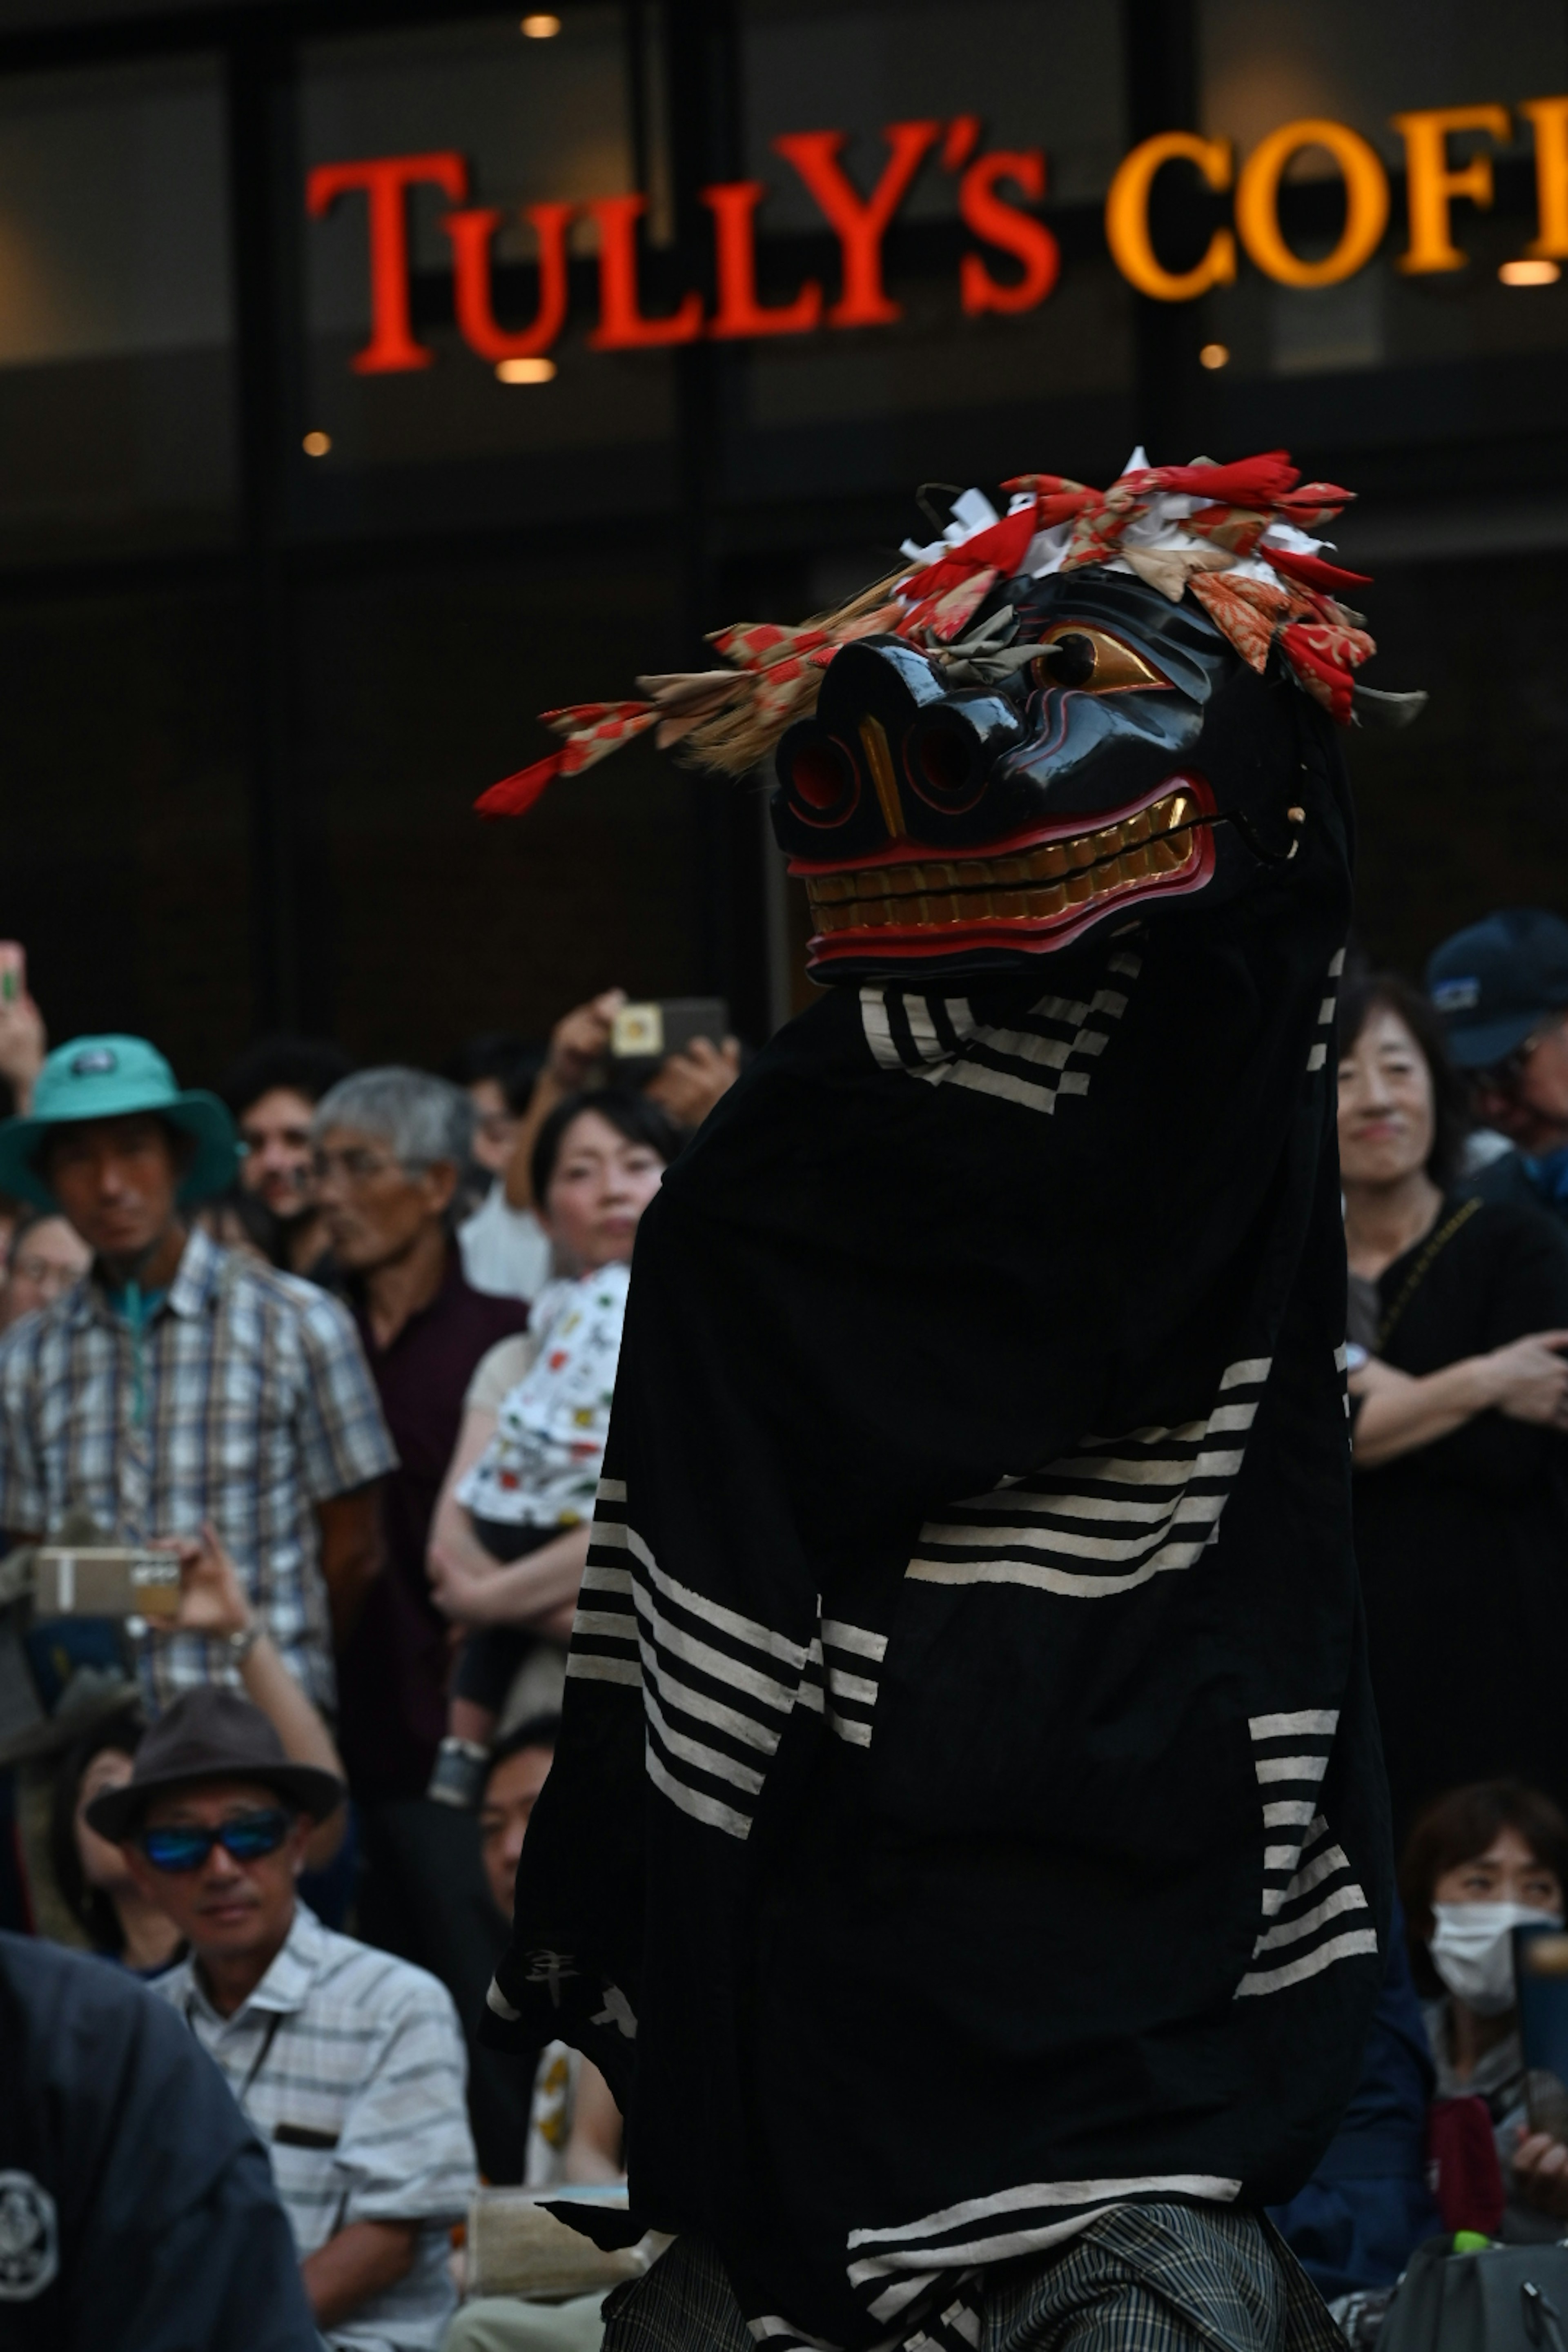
[{"x": 136, "y": 2208}]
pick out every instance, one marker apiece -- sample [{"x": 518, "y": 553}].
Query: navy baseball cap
[{"x": 1495, "y": 983}]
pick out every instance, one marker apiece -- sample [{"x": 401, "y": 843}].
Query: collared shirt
[
  {"x": 348, "y": 2067},
  {"x": 244, "y": 1399},
  {"x": 395, "y": 1669}
]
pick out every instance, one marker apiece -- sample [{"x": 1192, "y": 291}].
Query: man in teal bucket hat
[
  {"x": 180, "y": 1385},
  {"x": 114, "y": 1093}
]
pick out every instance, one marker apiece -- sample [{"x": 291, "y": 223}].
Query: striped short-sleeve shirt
[
  {"x": 244, "y": 1399},
  {"x": 350, "y": 2066}
]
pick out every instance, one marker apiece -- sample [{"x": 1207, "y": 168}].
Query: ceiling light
[
  {"x": 316, "y": 444},
  {"x": 525, "y": 371},
  {"x": 1214, "y": 355},
  {"x": 1530, "y": 273},
  {"x": 540, "y": 28}
]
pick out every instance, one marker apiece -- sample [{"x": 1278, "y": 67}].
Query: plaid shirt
[
  {"x": 349, "y": 2065},
  {"x": 245, "y": 1400}
]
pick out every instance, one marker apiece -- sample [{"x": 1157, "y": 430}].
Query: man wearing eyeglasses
[
  {"x": 347, "y": 2064},
  {"x": 45, "y": 1257},
  {"x": 389, "y": 1148},
  {"x": 1502, "y": 990}
]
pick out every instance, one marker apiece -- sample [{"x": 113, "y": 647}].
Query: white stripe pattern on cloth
[
  {"x": 1318, "y": 1054},
  {"x": 852, "y": 1658},
  {"x": 605, "y": 1646},
  {"x": 886, "y": 2264},
  {"x": 1050, "y": 1054},
  {"x": 1314, "y": 1912},
  {"x": 1107, "y": 1516},
  {"x": 718, "y": 1686}
]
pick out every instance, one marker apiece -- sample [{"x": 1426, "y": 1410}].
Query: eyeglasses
[
  {"x": 246, "y": 1838},
  {"x": 44, "y": 1274},
  {"x": 1498, "y": 1077},
  {"x": 356, "y": 1167}
]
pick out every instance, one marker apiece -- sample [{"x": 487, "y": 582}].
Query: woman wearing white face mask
[{"x": 1479, "y": 1862}]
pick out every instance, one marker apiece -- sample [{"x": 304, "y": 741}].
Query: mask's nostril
[
  {"x": 944, "y": 764},
  {"x": 820, "y": 779},
  {"x": 817, "y": 776}
]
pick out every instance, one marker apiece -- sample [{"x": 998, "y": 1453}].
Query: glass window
[
  {"x": 533, "y": 120},
  {"x": 1036, "y": 74},
  {"x": 1268, "y": 62},
  {"x": 116, "y": 385},
  {"x": 419, "y": 689},
  {"x": 1039, "y": 73},
  {"x": 128, "y": 832}
]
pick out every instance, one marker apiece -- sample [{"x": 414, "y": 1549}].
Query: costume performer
[{"x": 966, "y": 1853}]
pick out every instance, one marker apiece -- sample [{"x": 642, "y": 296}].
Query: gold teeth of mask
[{"x": 1033, "y": 884}]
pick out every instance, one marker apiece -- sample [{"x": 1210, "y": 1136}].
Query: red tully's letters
[
  {"x": 859, "y": 222},
  {"x": 622, "y": 326},
  {"x": 470, "y": 233},
  {"x": 734, "y": 208},
  {"x": 386, "y": 181},
  {"x": 1012, "y": 231}
]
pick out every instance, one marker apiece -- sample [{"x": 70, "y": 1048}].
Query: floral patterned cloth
[{"x": 542, "y": 1467}]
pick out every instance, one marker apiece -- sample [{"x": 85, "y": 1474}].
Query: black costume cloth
[
  {"x": 1462, "y": 1544},
  {"x": 967, "y": 1818}
]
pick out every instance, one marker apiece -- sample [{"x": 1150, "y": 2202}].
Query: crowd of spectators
[{"x": 343, "y": 1343}]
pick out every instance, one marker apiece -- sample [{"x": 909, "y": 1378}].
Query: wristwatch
[{"x": 241, "y": 1644}]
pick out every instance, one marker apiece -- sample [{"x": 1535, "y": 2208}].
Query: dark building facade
[{"x": 372, "y": 377}]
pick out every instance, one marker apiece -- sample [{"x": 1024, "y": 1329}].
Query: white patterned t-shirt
[{"x": 542, "y": 1467}]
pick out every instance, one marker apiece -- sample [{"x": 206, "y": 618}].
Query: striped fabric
[
  {"x": 847, "y": 1662},
  {"x": 1314, "y": 1912},
  {"x": 245, "y": 1401},
  {"x": 890, "y": 2268},
  {"x": 1318, "y": 1054},
  {"x": 605, "y": 1645},
  {"x": 1141, "y": 2278},
  {"x": 358, "y": 2098},
  {"x": 718, "y": 1687},
  {"x": 1049, "y": 1052},
  {"x": 1111, "y": 1514}
]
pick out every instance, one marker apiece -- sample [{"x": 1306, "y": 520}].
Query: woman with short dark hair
[
  {"x": 1478, "y": 1862},
  {"x": 1459, "y": 1315},
  {"x": 509, "y": 1535}
]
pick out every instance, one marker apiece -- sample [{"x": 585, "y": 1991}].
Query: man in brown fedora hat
[{"x": 347, "y": 2064}]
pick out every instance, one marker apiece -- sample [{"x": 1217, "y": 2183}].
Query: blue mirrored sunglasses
[{"x": 246, "y": 1837}]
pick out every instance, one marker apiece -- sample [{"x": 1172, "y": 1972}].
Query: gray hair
[{"x": 420, "y": 1119}]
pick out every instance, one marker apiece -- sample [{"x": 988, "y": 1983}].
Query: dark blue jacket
[
  {"x": 137, "y": 2211},
  {"x": 1367, "y": 2206}
]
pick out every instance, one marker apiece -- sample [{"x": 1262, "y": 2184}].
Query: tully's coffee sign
[{"x": 996, "y": 189}]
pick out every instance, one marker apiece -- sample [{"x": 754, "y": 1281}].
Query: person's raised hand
[
  {"x": 687, "y": 1084},
  {"x": 24, "y": 1040},
  {"x": 1528, "y": 1379},
  {"x": 1541, "y": 2173},
  {"x": 582, "y": 1038},
  {"x": 212, "y": 1598}
]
